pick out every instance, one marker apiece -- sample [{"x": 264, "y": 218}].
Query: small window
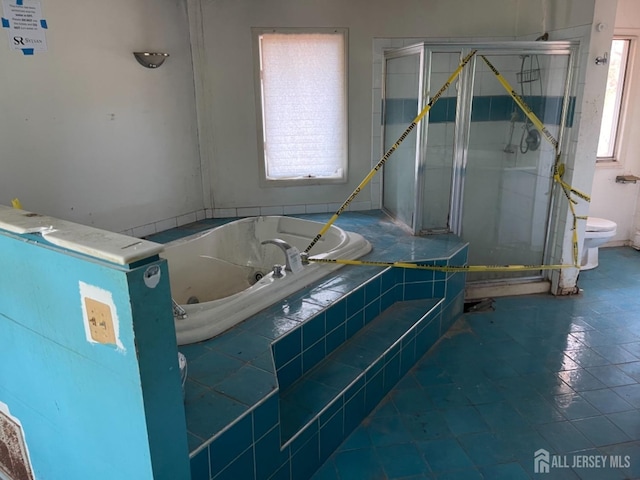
[
  {"x": 613, "y": 100},
  {"x": 303, "y": 106}
]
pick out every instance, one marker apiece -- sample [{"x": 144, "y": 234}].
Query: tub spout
[
  {"x": 282, "y": 245},
  {"x": 178, "y": 311}
]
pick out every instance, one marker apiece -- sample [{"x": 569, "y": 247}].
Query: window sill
[
  {"x": 302, "y": 181},
  {"x": 609, "y": 163}
]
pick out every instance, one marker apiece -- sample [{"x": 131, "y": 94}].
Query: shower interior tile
[
  {"x": 440, "y": 63},
  {"x": 438, "y": 112},
  {"x": 481, "y": 109}
]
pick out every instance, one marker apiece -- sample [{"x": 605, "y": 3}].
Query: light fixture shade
[{"x": 150, "y": 59}]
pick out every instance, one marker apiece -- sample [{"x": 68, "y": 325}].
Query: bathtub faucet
[
  {"x": 282, "y": 245},
  {"x": 178, "y": 312}
]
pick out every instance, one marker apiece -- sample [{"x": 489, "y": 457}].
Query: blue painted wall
[{"x": 89, "y": 410}]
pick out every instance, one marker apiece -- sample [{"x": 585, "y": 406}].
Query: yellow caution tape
[
  {"x": 442, "y": 268},
  {"x": 558, "y": 168},
  {"x": 522, "y": 104},
  {"x": 558, "y": 172},
  {"x": 393, "y": 148}
]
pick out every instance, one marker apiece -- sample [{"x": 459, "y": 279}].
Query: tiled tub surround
[{"x": 274, "y": 396}]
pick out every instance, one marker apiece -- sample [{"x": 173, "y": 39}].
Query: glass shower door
[
  {"x": 402, "y": 98},
  {"x": 509, "y": 166},
  {"x": 439, "y": 145}
]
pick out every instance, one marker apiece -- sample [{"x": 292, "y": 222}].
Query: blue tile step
[{"x": 352, "y": 379}]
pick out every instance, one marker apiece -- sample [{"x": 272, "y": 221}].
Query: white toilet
[{"x": 598, "y": 232}]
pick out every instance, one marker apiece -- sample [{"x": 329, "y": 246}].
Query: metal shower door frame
[
  {"x": 568, "y": 48},
  {"x": 417, "y": 49},
  {"x": 463, "y": 117}
]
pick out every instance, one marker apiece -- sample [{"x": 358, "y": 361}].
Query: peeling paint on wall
[{"x": 14, "y": 455}]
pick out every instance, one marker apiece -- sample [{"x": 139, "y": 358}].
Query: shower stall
[{"x": 476, "y": 166}]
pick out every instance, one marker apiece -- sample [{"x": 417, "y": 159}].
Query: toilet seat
[{"x": 595, "y": 224}]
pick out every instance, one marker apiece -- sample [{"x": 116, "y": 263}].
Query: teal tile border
[{"x": 485, "y": 108}]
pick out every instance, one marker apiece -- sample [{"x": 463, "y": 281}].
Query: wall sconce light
[{"x": 150, "y": 60}]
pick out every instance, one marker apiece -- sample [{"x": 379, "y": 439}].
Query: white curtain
[{"x": 304, "y": 104}]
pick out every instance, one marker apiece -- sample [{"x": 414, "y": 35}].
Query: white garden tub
[{"x": 224, "y": 275}]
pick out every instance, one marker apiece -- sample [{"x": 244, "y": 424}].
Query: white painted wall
[
  {"x": 580, "y": 149},
  {"x": 612, "y": 200},
  {"x": 89, "y": 135},
  {"x": 226, "y": 93},
  {"x": 228, "y": 137}
]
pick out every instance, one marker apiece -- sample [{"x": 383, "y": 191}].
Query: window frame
[
  {"x": 619, "y": 131},
  {"x": 297, "y": 181}
]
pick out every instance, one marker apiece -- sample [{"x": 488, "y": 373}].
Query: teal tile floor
[{"x": 538, "y": 372}]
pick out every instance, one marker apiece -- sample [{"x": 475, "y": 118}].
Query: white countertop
[{"x": 110, "y": 246}]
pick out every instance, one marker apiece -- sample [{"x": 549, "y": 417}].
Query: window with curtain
[
  {"x": 614, "y": 100},
  {"x": 303, "y": 88}
]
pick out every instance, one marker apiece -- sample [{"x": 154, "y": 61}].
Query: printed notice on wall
[{"x": 24, "y": 23}]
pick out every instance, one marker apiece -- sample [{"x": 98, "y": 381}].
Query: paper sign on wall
[
  {"x": 101, "y": 323},
  {"x": 25, "y": 25}
]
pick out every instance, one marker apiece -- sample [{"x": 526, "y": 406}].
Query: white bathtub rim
[
  {"x": 198, "y": 326},
  {"x": 344, "y": 234}
]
